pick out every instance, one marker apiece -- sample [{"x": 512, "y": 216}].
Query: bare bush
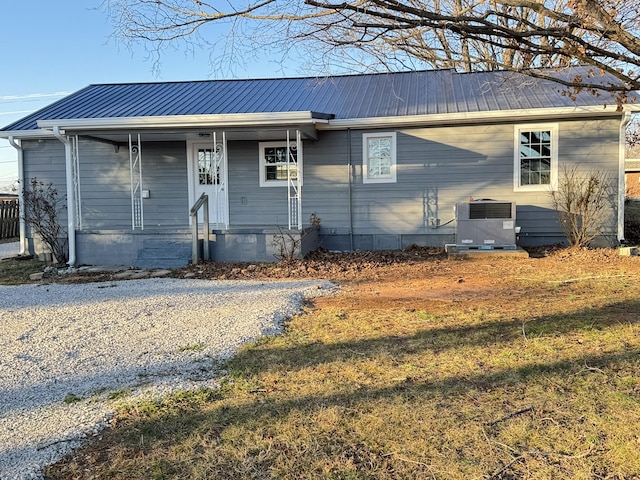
[
  {"x": 42, "y": 205},
  {"x": 287, "y": 245},
  {"x": 583, "y": 202}
]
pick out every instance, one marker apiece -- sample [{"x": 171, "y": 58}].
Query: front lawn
[{"x": 432, "y": 368}]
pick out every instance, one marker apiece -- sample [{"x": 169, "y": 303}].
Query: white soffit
[{"x": 185, "y": 121}]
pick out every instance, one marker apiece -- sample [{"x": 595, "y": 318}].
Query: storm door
[{"x": 209, "y": 176}]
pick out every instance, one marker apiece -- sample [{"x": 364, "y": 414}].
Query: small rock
[
  {"x": 139, "y": 274},
  {"x": 189, "y": 275},
  {"x": 123, "y": 275},
  {"x": 160, "y": 273},
  {"x": 36, "y": 276}
]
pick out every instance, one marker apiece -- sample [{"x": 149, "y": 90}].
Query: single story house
[{"x": 372, "y": 161}]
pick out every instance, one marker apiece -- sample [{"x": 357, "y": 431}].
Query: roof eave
[
  {"x": 188, "y": 121},
  {"x": 478, "y": 117},
  {"x": 27, "y": 134}
]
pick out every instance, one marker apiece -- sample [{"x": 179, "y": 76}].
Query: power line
[{"x": 31, "y": 96}]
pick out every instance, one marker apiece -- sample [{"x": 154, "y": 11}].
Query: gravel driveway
[{"x": 85, "y": 342}]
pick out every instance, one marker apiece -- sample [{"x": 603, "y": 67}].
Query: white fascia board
[
  {"x": 184, "y": 121},
  {"x": 26, "y": 134},
  {"x": 474, "y": 117}
]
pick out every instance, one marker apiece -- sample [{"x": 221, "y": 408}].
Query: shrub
[
  {"x": 42, "y": 205},
  {"x": 583, "y": 202}
]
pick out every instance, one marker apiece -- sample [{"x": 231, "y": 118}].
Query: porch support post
[
  {"x": 294, "y": 186},
  {"x": 225, "y": 180},
  {"x": 135, "y": 171},
  {"x": 21, "y": 184},
  {"x": 75, "y": 154},
  {"x": 71, "y": 202},
  {"x": 289, "y": 182},
  {"x": 300, "y": 166}
]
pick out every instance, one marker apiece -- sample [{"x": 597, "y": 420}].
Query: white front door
[{"x": 208, "y": 174}]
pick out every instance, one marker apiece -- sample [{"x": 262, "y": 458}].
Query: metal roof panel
[{"x": 346, "y": 97}]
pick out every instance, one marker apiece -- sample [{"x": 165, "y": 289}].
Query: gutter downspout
[
  {"x": 621, "y": 175},
  {"x": 350, "y": 167},
  {"x": 71, "y": 204},
  {"x": 23, "y": 228}
]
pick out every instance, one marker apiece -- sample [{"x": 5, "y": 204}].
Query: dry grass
[
  {"x": 500, "y": 370},
  {"x": 15, "y": 272}
]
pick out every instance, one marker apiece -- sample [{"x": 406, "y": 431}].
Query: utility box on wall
[{"x": 486, "y": 224}]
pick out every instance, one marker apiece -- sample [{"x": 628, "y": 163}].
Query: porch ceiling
[{"x": 260, "y": 134}]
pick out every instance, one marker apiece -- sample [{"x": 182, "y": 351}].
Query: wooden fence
[{"x": 9, "y": 219}]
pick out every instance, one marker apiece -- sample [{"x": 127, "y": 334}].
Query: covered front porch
[{"x": 234, "y": 160}]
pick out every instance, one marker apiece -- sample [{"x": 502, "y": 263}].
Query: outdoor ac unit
[{"x": 486, "y": 224}]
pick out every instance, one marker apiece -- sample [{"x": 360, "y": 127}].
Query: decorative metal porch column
[
  {"x": 294, "y": 185},
  {"x": 75, "y": 174},
  {"x": 135, "y": 167},
  {"x": 219, "y": 171}
]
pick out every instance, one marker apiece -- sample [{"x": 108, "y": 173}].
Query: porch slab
[{"x": 518, "y": 252}]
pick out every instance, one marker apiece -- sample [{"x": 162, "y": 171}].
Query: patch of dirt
[
  {"x": 413, "y": 263},
  {"x": 416, "y": 276}
]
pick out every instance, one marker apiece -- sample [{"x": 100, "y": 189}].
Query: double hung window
[
  {"x": 278, "y": 163},
  {"x": 379, "y": 157},
  {"x": 536, "y": 157}
]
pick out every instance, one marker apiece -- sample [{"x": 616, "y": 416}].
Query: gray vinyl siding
[
  {"x": 438, "y": 167},
  {"x": 249, "y": 203},
  {"x": 164, "y": 173},
  {"x": 105, "y": 186},
  {"x": 326, "y": 182},
  {"x": 589, "y": 145},
  {"x": 324, "y": 190},
  {"x": 45, "y": 161}
]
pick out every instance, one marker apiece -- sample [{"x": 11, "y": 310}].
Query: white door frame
[{"x": 218, "y": 207}]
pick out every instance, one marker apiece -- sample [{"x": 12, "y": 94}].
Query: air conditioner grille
[{"x": 482, "y": 210}]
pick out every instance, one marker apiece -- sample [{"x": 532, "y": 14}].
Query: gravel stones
[{"x": 65, "y": 348}]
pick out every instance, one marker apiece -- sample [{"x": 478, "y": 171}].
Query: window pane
[
  {"x": 204, "y": 167},
  {"x": 276, "y": 162},
  {"x": 535, "y": 157},
  {"x": 271, "y": 172},
  {"x": 545, "y": 164},
  {"x": 379, "y": 157}
]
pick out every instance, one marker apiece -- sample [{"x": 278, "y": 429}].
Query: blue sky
[{"x": 51, "y": 48}]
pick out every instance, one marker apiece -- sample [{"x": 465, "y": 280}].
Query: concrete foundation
[{"x": 454, "y": 252}]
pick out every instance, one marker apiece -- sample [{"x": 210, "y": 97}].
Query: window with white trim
[
  {"x": 275, "y": 169},
  {"x": 379, "y": 157},
  {"x": 536, "y": 157}
]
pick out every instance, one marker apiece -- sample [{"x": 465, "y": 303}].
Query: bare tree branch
[{"x": 535, "y": 37}]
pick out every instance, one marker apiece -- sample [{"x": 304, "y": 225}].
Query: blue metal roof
[{"x": 343, "y": 97}]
